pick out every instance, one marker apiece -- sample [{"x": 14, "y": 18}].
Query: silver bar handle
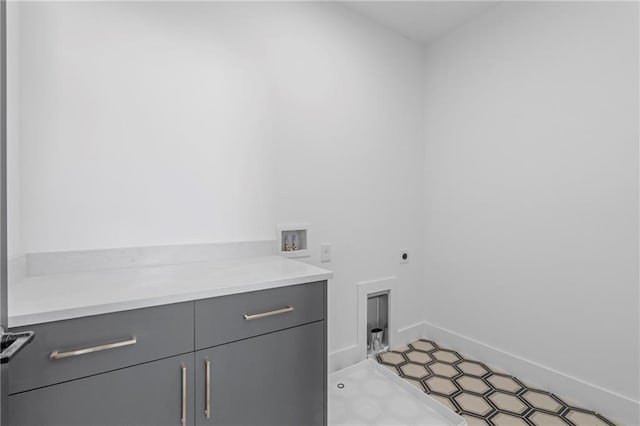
[
  {"x": 248, "y": 317},
  {"x": 60, "y": 355},
  {"x": 183, "y": 418},
  {"x": 207, "y": 388}
]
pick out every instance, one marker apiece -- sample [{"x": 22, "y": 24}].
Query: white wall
[
  {"x": 140, "y": 129},
  {"x": 532, "y": 187},
  {"x": 169, "y": 123},
  {"x": 14, "y": 238}
]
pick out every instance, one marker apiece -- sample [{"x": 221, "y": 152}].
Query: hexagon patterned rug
[{"x": 481, "y": 394}]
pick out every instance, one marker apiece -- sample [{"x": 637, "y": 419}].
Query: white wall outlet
[
  {"x": 404, "y": 256},
  {"x": 325, "y": 252}
]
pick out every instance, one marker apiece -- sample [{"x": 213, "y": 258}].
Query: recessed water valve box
[{"x": 293, "y": 240}]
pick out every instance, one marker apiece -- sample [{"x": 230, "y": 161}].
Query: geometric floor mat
[{"x": 479, "y": 393}]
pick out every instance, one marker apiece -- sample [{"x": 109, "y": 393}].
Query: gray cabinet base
[
  {"x": 147, "y": 394},
  {"x": 266, "y": 371}
]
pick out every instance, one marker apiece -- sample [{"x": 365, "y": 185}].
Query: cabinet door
[
  {"x": 146, "y": 394},
  {"x": 273, "y": 379}
]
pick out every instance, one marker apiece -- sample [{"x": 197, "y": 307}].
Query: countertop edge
[{"x": 83, "y": 311}]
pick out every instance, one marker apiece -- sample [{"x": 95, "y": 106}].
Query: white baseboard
[
  {"x": 409, "y": 334},
  {"x": 343, "y": 358},
  {"x": 353, "y": 354},
  {"x": 610, "y": 404}
]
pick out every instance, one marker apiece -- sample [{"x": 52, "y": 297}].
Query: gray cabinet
[
  {"x": 256, "y": 358},
  {"x": 276, "y": 379},
  {"x": 146, "y": 394}
]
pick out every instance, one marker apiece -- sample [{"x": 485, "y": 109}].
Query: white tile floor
[{"x": 368, "y": 394}]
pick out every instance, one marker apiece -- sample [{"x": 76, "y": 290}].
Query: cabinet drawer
[
  {"x": 111, "y": 341},
  {"x": 225, "y": 319},
  {"x": 147, "y": 394}
]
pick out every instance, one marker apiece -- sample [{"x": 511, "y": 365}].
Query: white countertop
[{"x": 71, "y": 295}]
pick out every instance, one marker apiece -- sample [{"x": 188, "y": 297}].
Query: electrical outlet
[
  {"x": 404, "y": 256},
  {"x": 325, "y": 252}
]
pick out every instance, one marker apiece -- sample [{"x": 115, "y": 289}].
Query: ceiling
[{"x": 421, "y": 21}]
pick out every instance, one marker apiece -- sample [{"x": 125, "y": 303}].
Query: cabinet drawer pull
[
  {"x": 268, "y": 314},
  {"x": 60, "y": 355},
  {"x": 207, "y": 388},
  {"x": 183, "y": 418}
]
